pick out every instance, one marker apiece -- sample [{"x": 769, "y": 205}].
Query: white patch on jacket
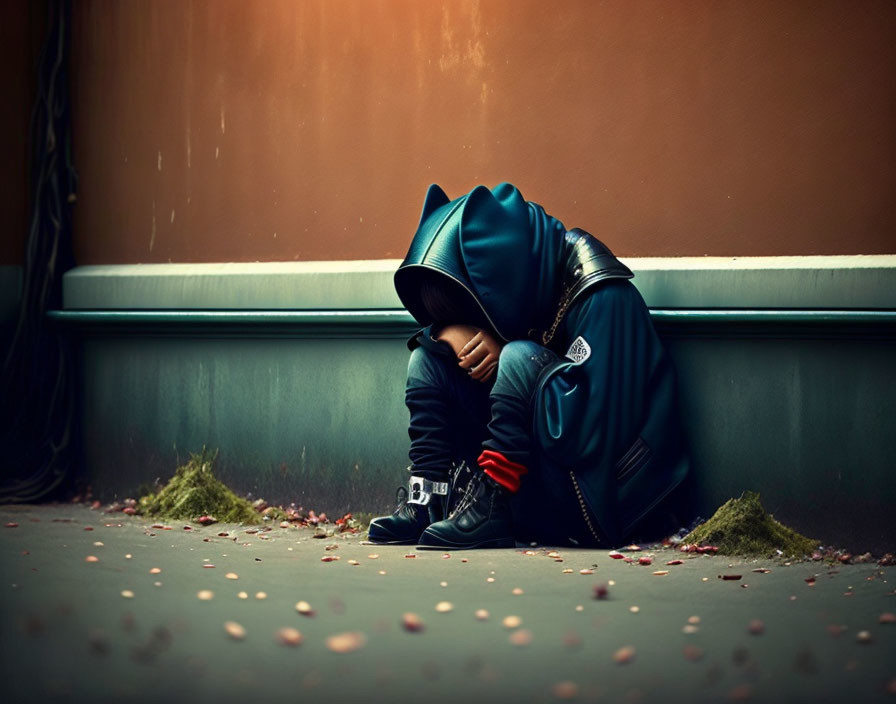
[{"x": 579, "y": 350}]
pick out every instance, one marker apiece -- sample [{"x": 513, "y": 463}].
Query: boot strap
[{"x": 422, "y": 490}]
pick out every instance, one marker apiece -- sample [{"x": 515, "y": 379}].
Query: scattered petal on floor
[
  {"x": 304, "y": 608},
  {"x": 232, "y": 575},
  {"x": 756, "y": 627},
  {"x": 864, "y": 637},
  {"x": 512, "y": 622},
  {"x": 443, "y": 607},
  {"x": 91, "y": 558},
  {"x": 565, "y": 690},
  {"x": 624, "y": 655},
  {"x": 412, "y": 622},
  {"x": 289, "y": 636},
  {"x": 481, "y": 615},
  {"x": 346, "y": 642},
  {"x": 234, "y": 630},
  {"x": 127, "y": 593},
  {"x": 521, "y": 637},
  {"x": 205, "y": 595}
]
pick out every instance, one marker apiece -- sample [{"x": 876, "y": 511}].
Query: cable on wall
[{"x": 37, "y": 431}]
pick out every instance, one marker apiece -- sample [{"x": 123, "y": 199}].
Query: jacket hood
[{"x": 507, "y": 254}]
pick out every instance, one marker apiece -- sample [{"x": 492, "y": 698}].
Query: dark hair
[{"x": 448, "y": 302}]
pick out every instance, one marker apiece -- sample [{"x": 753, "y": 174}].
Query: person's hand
[
  {"x": 480, "y": 355},
  {"x": 457, "y": 336}
]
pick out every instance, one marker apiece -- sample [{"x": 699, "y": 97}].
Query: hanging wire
[{"x": 38, "y": 400}]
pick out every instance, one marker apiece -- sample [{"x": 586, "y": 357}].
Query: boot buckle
[{"x": 422, "y": 490}]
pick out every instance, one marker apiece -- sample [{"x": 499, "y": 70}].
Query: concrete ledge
[
  {"x": 321, "y": 285},
  {"x": 841, "y": 282}
]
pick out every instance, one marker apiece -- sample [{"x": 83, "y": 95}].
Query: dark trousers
[{"x": 454, "y": 417}]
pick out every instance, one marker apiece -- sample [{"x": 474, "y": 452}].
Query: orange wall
[{"x": 242, "y": 130}]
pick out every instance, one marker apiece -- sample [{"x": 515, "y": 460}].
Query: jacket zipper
[{"x": 583, "y": 507}]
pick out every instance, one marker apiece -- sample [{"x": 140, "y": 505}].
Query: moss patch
[
  {"x": 742, "y": 527},
  {"x": 194, "y": 491}
]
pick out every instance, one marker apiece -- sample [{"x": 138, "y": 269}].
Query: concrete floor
[{"x": 70, "y": 633}]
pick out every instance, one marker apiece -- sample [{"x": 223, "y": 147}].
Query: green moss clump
[
  {"x": 194, "y": 491},
  {"x": 742, "y": 527}
]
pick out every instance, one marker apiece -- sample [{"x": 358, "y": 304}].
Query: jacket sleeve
[{"x": 425, "y": 337}]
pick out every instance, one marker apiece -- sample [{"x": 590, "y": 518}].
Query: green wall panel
[
  {"x": 318, "y": 422},
  {"x": 810, "y": 423}
]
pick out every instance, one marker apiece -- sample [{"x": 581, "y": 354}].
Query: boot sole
[
  {"x": 485, "y": 544},
  {"x": 390, "y": 542}
]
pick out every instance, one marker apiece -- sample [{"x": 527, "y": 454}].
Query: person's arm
[{"x": 477, "y": 350}]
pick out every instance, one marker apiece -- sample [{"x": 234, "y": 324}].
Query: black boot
[
  {"x": 482, "y": 519},
  {"x": 422, "y": 503}
]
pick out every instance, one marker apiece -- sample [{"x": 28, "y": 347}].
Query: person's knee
[
  {"x": 519, "y": 365},
  {"x": 425, "y": 366},
  {"x": 519, "y": 353}
]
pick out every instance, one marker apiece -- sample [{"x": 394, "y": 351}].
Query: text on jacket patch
[{"x": 579, "y": 350}]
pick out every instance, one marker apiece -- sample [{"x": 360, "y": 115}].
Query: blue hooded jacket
[{"x": 605, "y": 419}]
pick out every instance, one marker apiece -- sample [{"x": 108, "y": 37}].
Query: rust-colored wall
[{"x": 235, "y": 130}]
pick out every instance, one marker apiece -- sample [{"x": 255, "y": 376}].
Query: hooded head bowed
[
  {"x": 505, "y": 259},
  {"x": 501, "y": 251}
]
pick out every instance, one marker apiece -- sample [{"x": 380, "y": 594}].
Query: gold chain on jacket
[{"x": 561, "y": 311}]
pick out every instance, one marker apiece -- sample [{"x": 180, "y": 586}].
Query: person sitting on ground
[{"x": 538, "y": 375}]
